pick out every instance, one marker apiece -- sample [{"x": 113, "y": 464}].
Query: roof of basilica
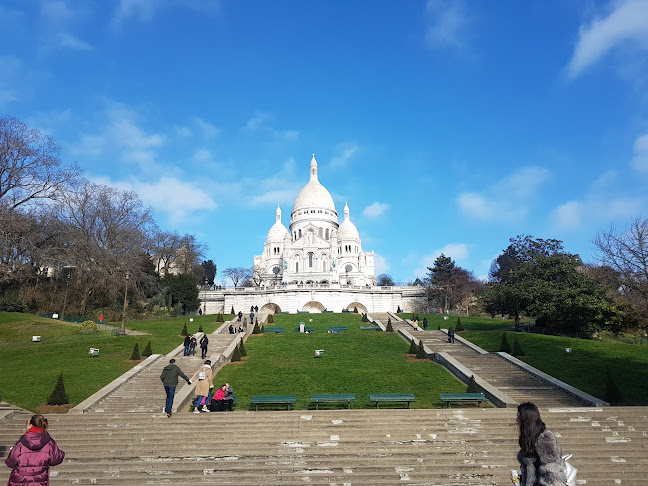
[
  {"x": 314, "y": 194},
  {"x": 277, "y": 231},
  {"x": 347, "y": 230}
]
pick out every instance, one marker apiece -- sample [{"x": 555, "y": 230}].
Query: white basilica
[{"x": 316, "y": 248}]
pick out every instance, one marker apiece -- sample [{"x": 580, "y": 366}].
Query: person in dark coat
[
  {"x": 425, "y": 324},
  {"x": 169, "y": 379},
  {"x": 204, "y": 342},
  {"x": 32, "y": 456},
  {"x": 540, "y": 457},
  {"x": 451, "y": 335},
  {"x": 187, "y": 343}
]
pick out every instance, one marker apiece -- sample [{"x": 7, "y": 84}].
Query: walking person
[
  {"x": 192, "y": 345},
  {"x": 425, "y": 324},
  {"x": 540, "y": 457},
  {"x": 204, "y": 385},
  {"x": 240, "y": 314},
  {"x": 187, "y": 343},
  {"x": 451, "y": 337},
  {"x": 169, "y": 379},
  {"x": 204, "y": 342},
  {"x": 32, "y": 456}
]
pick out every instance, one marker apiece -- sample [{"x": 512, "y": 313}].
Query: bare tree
[
  {"x": 626, "y": 252},
  {"x": 29, "y": 165},
  {"x": 238, "y": 274},
  {"x": 385, "y": 280}
]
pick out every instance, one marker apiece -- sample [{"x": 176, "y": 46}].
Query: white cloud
[
  {"x": 207, "y": 129},
  {"x": 67, "y": 40},
  {"x": 625, "y": 26},
  {"x": 344, "y": 152},
  {"x": 523, "y": 182},
  {"x": 568, "y": 215},
  {"x": 256, "y": 122},
  {"x": 380, "y": 264},
  {"x": 447, "y": 21},
  {"x": 145, "y": 10},
  {"x": 202, "y": 156},
  {"x": 640, "y": 155},
  {"x": 456, "y": 251},
  {"x": 375, "y": 210},
  {"x": 479, "y": 207},
  {"x": 57, "y": 12}
]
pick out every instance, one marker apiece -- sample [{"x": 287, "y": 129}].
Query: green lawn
[
  {"x": 586, "y": 367},
  {"x": 468, "y": 322},
  {"x": 354, "y": 361},
  {"x": 30, "y": 370}
]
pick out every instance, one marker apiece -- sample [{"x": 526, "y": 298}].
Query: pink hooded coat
[{"x": 31, "y": 458}]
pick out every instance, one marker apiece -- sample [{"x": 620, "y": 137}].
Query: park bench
[
  {"x": 257, "y": 400},
  {"x": 336, "y": 329},
  {"x": 463, "y": 397},
  {"x": 392, "y": 397},
  {"x": 375, "y": 327},
  {"x": 306, "y": 329},
  {"x": 277, "y": 330},
  {"x": 335, "y": 398}
]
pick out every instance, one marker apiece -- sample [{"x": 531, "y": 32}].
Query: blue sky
[{"x": 448, "y": 126}]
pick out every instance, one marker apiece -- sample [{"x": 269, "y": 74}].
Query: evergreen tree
[
  {"x": 517, "y": 349},
  {"x": 459, "y": 326},
  {"x": 355, "y": 309},
  {"x": 58, "y": 396},
  {"x": 200, "y": 328},
  {"x": 398, "y": 311},
  {"x": 270, "y": 319},
  {"x": 389, "y": 327},
  {"x": 232, "y": 311},
  {"x": 236, "y": 355},
  {"x": 505, "y": 347},
  {"x": 472, "y": 385},
  {"x": 136, "y": 353},
  {"x": 612, "y": 393},
  {"x": 256, "y": 329},
  {"x": 242, "y": 349},
  {"x": 420, "y": 351},
  {"x": 413, "y": 347},
  {"x": 147, "y": 350},
  {"x": 184, "y": 332}
]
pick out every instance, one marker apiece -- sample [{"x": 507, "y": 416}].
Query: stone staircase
[
  {"x": 333, "y": 447},
  {"x": 506, "y": 377}
]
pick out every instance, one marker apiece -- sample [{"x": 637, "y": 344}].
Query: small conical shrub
[
  {"x": 242, "y": 350},
  {"x": 58, "y": 396},
  {"x": 413, "y": 347},
  {"x": 398, "y": 311},
  {"x": 364, "y": 318},
  {"x": 270, "y": 319},
  {"x": 136, "y": 354},
  {"x": 459, "y": 326},
  {"x": 420, "y": 351},
  {"x": 262, "y": 327},
  {"x": 147, "y": 350},
  {"x": 256, "y": 329},
  {"x": 219, "y": 317},
  {"x": 200, "y": 328},
  {"x": 505, "y": 347},
  {"x": 232, "y": 311},
  {"x": 612, "y": 393},
  {"x": 236, "y": 355},
  {"x": 184, "y": 332},
  {"x": 389, "y": 327},
  {"x": 355, "y": 309},
  {"x": 517, "y": 349},
  {"x": 472, "y": 385}
]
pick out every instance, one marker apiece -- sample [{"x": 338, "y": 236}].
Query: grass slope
[
  {"x": 30, "y": 370},
  {"x": 354, "y": 361}
]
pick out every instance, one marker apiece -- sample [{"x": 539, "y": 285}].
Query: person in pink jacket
[{"x": 31, "y": 457}]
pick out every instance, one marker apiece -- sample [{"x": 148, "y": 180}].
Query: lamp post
[{"x": 122, "y": 331}]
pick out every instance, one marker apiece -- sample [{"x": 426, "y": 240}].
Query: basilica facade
[{"x": 315, "y": 248}]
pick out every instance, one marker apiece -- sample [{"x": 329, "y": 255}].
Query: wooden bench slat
[
  {"x": 463, "y": 397},
  {"x": 333, "y": 398},
  {"x": 257, "y": 400},
  {"x": 370, "y": 328},
  {"x": 392, "y": 397}
]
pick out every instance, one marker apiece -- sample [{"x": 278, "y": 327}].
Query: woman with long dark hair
[
  {"x": 33, "y": 454},
  {"x": 540, "y": 457}
]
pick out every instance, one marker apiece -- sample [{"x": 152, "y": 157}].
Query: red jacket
[
  {"x": 31, "y": 458},
  {"x": 220, "y": 394}
]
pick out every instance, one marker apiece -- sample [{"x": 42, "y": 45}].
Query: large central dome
[{"x": 314, "y": 194}]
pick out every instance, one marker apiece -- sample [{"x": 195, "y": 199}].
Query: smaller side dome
[
  {"x": 347, "y": 230},
  {"x": 278, "y": 231}
]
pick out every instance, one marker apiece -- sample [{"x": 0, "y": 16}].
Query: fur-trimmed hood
[{"x": 546, "y": 467}]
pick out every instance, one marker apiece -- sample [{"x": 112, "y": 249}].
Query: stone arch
[
  {"x": 361, "y": 308},
  {"x": 325, "y": 282},
  {"x": 270, "y": 308},
  {"x": 313, "y": 306}
]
